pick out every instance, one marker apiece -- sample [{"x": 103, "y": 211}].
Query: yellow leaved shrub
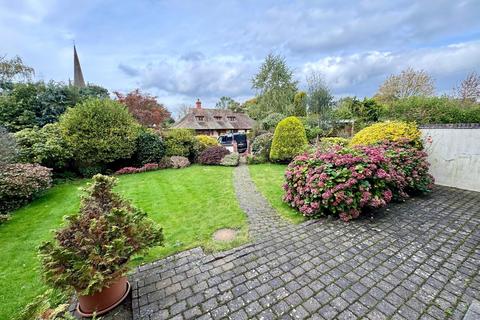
[{"x": 390, "y": 130}]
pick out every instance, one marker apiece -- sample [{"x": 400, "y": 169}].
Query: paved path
[{"x": 418, "y": 259}]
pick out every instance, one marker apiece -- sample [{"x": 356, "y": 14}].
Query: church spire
[{"x": 77, "y": 70}]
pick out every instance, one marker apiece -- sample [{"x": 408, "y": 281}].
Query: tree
[
  {"x": 28, "y": 105},
  {"x": 144, "y": 108},
  {"x": 469, "y": 89},
  {"x": 300, "y": 104},
  {"x": 408, "y": 83},
  {"x": 99, "y": 131},
  {"x": 275, "y": 86},
  {"x": 183, "y": 110},
  {"x": 14, "y": 69},
  {"x": 320, "y": 99}
]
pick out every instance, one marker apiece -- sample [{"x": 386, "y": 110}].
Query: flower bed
[{"x": 343, "y": 181}]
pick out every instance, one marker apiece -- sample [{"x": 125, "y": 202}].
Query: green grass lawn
[
  {"x": 190, "y": 204},
  {"x": 269, "y": 180}
]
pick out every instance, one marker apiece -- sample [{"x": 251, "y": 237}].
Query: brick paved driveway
[{"x": 418, "y": 259}]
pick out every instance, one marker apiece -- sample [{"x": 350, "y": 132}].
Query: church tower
[{"x": 77, "y": 70}]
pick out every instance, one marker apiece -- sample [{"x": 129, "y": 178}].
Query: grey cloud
[
  {"x": 128, "y": 70},
  {"x": 367, "y": 25},
  {"x": 195, "y": 75},
  {"x": 364, "y": 72}
]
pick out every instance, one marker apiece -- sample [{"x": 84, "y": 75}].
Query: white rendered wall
[{"x": 454, "y": 155}]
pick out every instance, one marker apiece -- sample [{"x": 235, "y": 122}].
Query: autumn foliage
[{"x": 144, "y": 108}]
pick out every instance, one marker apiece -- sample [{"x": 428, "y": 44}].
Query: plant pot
[{"x": 105, "y": 300}]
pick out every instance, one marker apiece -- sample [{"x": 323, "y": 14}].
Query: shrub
[
  {"x": 345, "y": 180},
  {"x": 95, "y": 247},
  {"x": 272, "y": 120},
  {"x": 149, "y": 148},
  {"x": 411, "y": 163},
  {"x": 252, "y": 159},
  {"x": 390, "y": 130},
  {"x": 212, "y": 155},
  {"x": 231, "y": 160},
  {"x": 146, "y": 167},
  {"x": 164, "y": 163},
  {"x": 99, "y": 132},
  {"x": 179, "y": 162},
  {"x": 328, "y": 142},
  {"x": 181, "y": 142},
  {"x": 44, "y": 146},
  {"x": 8, "y": 147},
  {"x": 262, "y": 144},
  {"x": 289, "y": 140},
  {"x": 205, "y": 142},
  {"x": 90, "y": 171},
  {"x": 126, "y": 170},
  {"x": 19, "y": 183}
]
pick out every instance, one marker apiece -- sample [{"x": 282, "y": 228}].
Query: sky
[{"x": 183, "y": 50}]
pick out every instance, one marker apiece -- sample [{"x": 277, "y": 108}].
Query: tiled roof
[{"x": 214, "y": 119}]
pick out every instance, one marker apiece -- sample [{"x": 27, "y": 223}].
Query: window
[
  {"x": 199, "y": 118},
  {"x": 218, "y": 118},
  {"x": 231, "y": 118}
]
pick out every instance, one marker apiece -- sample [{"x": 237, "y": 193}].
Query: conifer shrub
[
  {"x": 390, "y": 131},
  {"x": 289, "y": 140},
  {"x": 95, "y": 247}
]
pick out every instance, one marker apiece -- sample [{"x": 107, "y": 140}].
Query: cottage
[{"x": 214, "y": 122}]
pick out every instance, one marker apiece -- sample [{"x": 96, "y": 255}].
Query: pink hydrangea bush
[
  {"x": 343, "y": 181},
  {"x": 411, "y": 163}
]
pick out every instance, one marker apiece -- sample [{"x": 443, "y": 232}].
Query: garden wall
[{"x": 454, "y": 153}]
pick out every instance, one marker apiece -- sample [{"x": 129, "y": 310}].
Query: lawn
[
  {"x": 189, "y": 203},
  {"x": 269, "y": 180}
]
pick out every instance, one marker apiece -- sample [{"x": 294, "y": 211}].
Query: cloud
[
  {"x": 370, "y": 25},
  {"x": 196, "y": 75},
  {"x": 364, "y": 72}
]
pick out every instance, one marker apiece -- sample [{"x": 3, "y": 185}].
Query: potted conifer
[{"x": 92, "y": 252}]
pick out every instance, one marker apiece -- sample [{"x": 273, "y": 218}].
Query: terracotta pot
[{"x": 105, "y": 300}]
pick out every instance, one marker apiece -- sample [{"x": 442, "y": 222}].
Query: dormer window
[
  {"x": 231, "y": 118},
  {"x": 199, "y": 118},
  {"x": 218, "y": 118}
]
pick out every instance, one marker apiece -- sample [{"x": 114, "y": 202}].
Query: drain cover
[{"x": 224, "y": 234}]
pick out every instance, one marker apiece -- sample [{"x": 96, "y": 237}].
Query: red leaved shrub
[
  {"x": 146, "y": 167},
  {"x": 212, "y": 155}
]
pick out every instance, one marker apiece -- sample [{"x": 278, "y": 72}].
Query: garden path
[{"x": 416, "y": 260}]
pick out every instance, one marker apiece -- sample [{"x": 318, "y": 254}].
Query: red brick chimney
[{"x": 198, "y": 104}]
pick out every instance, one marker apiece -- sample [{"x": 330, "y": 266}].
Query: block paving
[{"x": 415, "y": 260}]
